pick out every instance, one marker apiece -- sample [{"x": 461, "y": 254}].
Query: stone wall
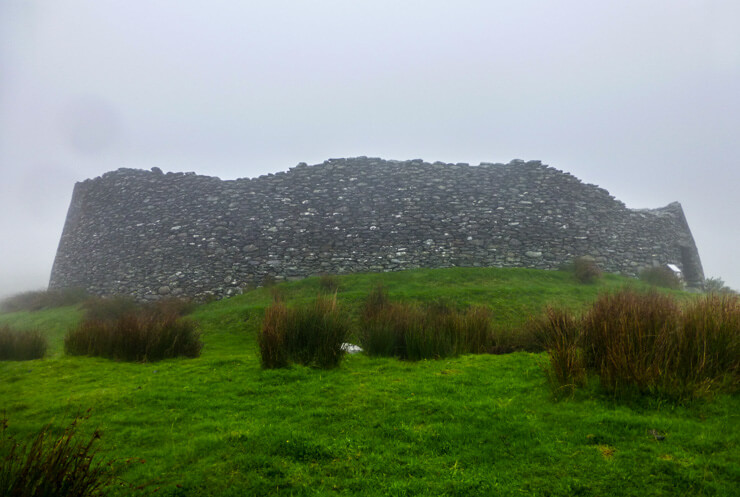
[{"x": 149, "y": 234}]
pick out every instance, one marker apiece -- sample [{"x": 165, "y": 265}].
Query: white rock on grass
[{"x": 351, "y": 348}]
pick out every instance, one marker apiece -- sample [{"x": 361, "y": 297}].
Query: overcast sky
[{"x": 641, "y": 97}]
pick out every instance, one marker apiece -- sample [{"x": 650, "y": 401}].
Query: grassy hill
[{"x": 473, "y": 425}]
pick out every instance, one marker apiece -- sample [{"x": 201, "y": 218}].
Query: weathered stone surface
[{"x": 148, "y": 234}]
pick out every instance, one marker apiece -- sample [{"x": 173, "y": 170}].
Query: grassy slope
[{"x": 475, "y": 425}]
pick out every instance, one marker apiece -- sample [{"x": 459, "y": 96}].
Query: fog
[{"x": 638, "y": 97}]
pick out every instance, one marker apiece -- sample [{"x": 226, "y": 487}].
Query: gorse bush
[
  {"x": 661, "y": 276},
  {"x": 43, "y": 299},
  {"x": 21, "y": 345},
  {"x": 63, "y": 466},
  {"x": 414, "y": 332},
  {"x": 149, "y": 333},
  {"x": 586, "y": 270},
  {"x": 311, "y": 335}
]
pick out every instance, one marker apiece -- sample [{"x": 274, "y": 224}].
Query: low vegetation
[
  {"x": 21, "y": 345},
  {"x": 472, "y": 424},
  {"x": 558, "y": 332},
  {"x": 311, "y": 335},
  {"x": 122, "y": 330},
  {"x": 432, "y": 331},
  {"x": 52, "y": 466},
  {"x": 646, "y": 342}
]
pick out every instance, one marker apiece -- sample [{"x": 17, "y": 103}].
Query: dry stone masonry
[{"x": 149, "y": 234}]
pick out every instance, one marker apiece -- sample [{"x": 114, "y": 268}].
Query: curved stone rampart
[{"x": 148, "y": 234}]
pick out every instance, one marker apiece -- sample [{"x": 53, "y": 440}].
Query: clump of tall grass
[
  {"x": 414, "y": 332},
  {"x": 661, "y": 276},
  {"x": 271, "y": 339},
  {"x": 645, "y": 342},
  {"x": 627, "y": 338},
  {"x": 18, "y": 345},
  {"x": 122, "y": 330},
  {"x": 311, "y": 335},
  {"x": 558, "y": 332},
  {"x": 49, "y": 466},
  {"x": 707, "y": 350},
  {"x": 43, "y": 299}
]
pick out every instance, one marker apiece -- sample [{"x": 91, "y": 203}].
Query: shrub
[
  {"x": 558, "y": 332},
  {"x": 21, "y": 345},
  {"x": 311, "y": 335},
  {"x": 43, "y": 299},
  {"x": 586, "y": 270},
  {"x": 627, "y": 339},
  {"x": 707, "y": 349},
  {"x": 52, "y": 466},
  {"x": 143, "y": 334},
  {"x": 329, "y": 283},
  {"x": 717, "y": 285},
  {"x": 661, "y": 276}
]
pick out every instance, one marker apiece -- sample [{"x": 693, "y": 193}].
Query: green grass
[{"x": 472, "y": 425}]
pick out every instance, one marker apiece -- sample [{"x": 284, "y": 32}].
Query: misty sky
[{"x": 640, "y": 97}]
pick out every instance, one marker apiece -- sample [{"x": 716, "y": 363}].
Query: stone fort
[{"x": 148, "y": 234}]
